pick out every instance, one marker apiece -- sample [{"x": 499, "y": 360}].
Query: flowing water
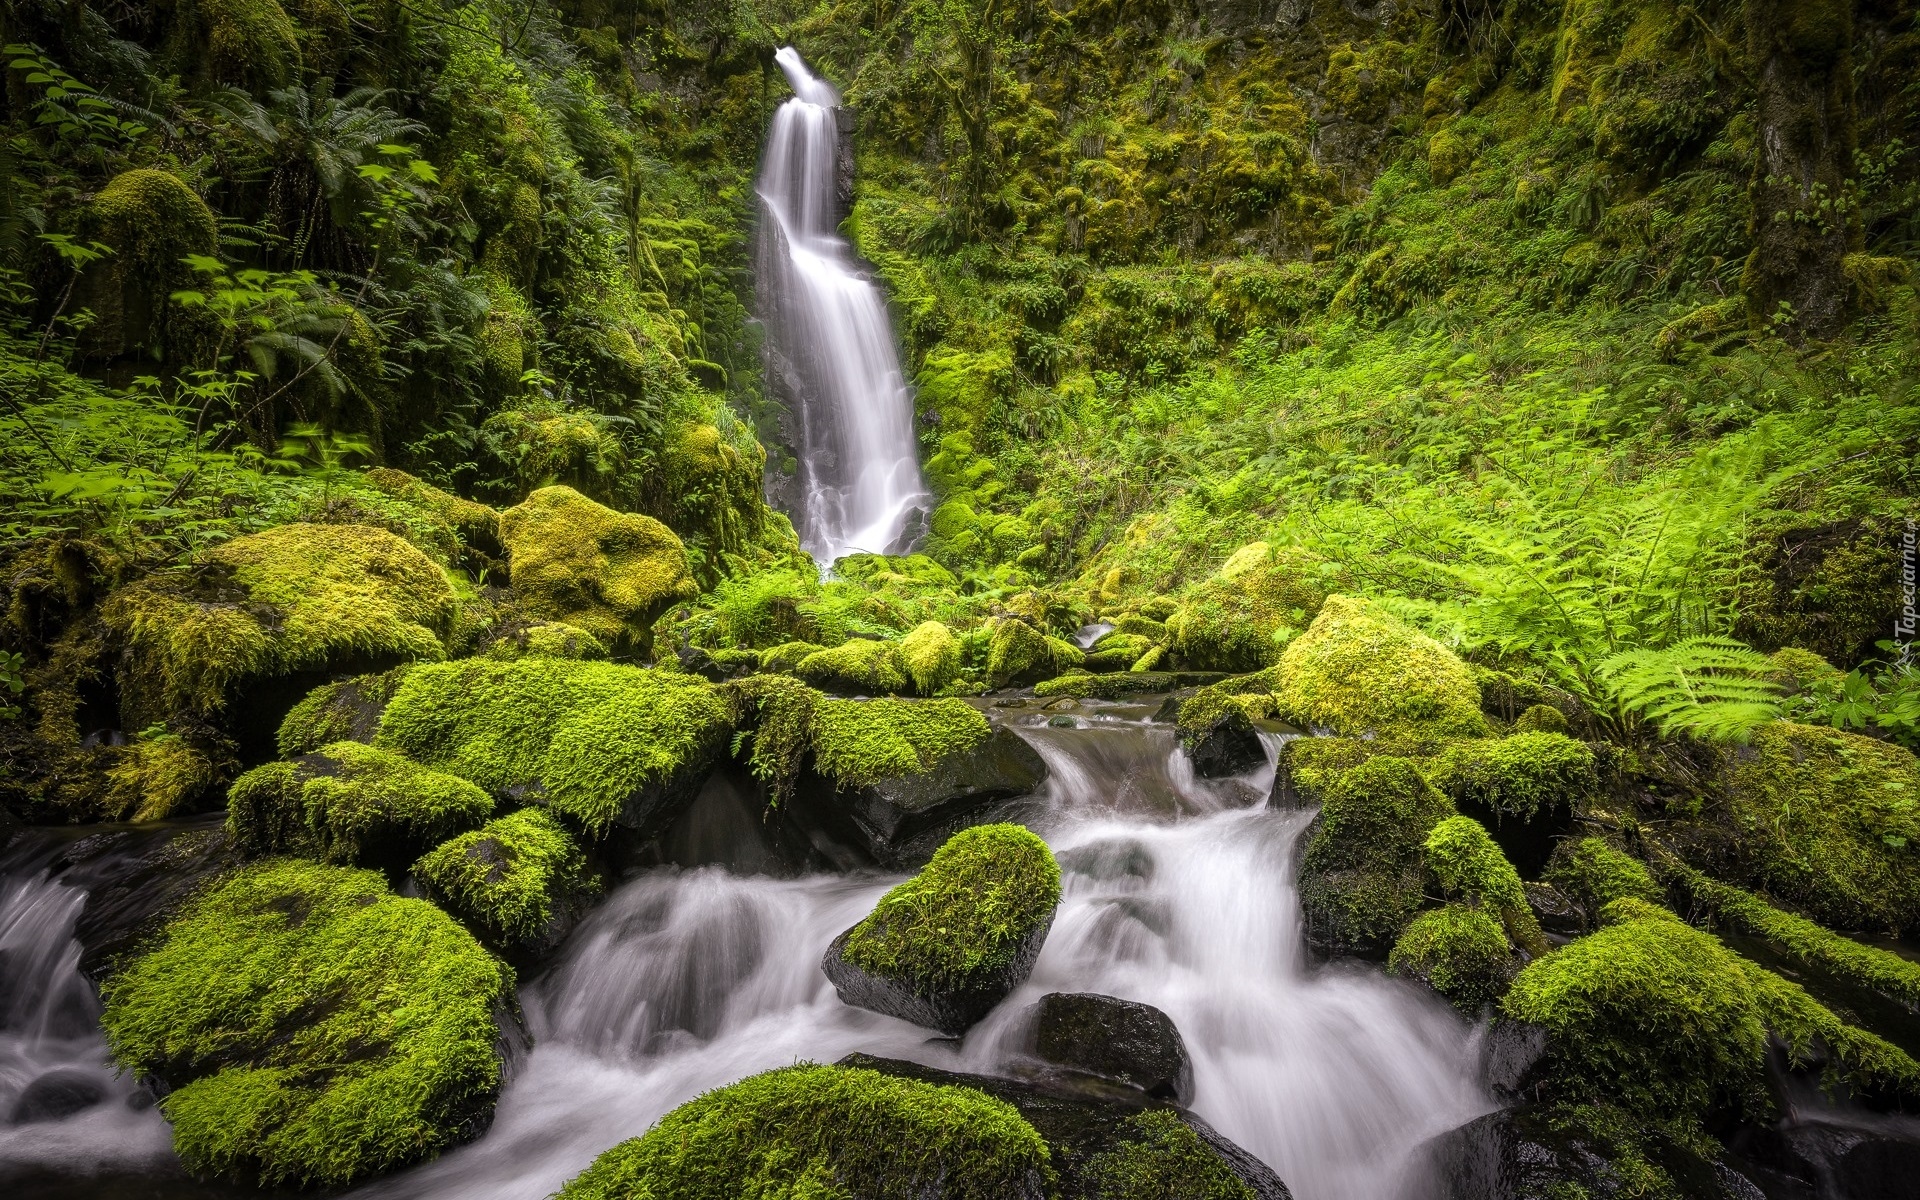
[{"x": 860, "y": 480}]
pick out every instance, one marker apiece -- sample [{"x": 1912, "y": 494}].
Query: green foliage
[
  {"x": 859, "y": 742},
  {"x": 586, "y": 737},
  {"x": 350, "y": 803},
  {"x": 824, "y": 1132},
  {"x": 1243, "y": 617},
  {"x": 1160, "y": 1157},
  {"x": 968, "y": 912},
  {"x": 1520, "y": 775},
  {"x": 1711, "y": 688},
  {"x": 1019, "y": 653},
  {"x": 314, "y": 1028},
  {"x": 1458, "y": 951},
  {"x": 508, "y": 877}
]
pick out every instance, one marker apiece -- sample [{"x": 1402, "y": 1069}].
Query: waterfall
[{"x": 860, "y": 482}]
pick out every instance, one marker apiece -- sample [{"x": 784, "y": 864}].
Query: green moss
[
  {"x": 313, "y": 1028},
  {"x": 509, "y": 876},
  {"x": 822, "y": 1133},
  {"x": 547, "y": 639},
  {"x": 776, "y": 713},
  {"x": 1665, "y": 1020},
  {"x": 1468, "y": 863},
  {"x": 350, "y": 803},
  {"x": 476, "y": 523},
  {"x": 1520, "y": 775},
  {"x": 1358, "y": 669},
  {"x": 1458, "y": 951},
  {"x": 1242, "y": 618},
  {"x": 1118, "y": 651},
  {"x": 1019, "y": 653},
  {"x": 858, "y": 742},
  {"x": 1160, "y": 1157},
  {"x": 249, "y": 42},
  {"x": 584, "y": 737},
  {"x": 787, "y": 656},
  {"x": 1593, "y": 875},
  {"x": 158, "y": 776},
  {"x": 342, "y": 711},
  {"x": 859, "y": 665},
  {"x": 986, "y": 891},
  {"x": 1540, "y": 718},
  {"x": 1361, "y": 875},
  {"x": 1830, "y": 822},
  {"x": 1878, "y": 970},
  {"x": 292, "y": 598},
  {"x": 582, "y": 563},
  {"x": 931, "y": 654},
  {"x": 153, "y": 221}
]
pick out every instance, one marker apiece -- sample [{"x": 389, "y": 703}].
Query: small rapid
[{"x": 832, "y": 342}]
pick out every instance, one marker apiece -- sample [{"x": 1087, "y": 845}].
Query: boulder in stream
[
  {"x": 57, "y": 1095},
  {"x": 1118, "y": 1040}
]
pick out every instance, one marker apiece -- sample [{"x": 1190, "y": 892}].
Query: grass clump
[
  {"x": 860, "y": 742},
  {"x": 509, "y": 877},
  {"x": 1458, "y": 951},
  {"x": 1468, "y": 863},
  {"x": 1159, "y": 1155},
  {"x": 588, "y": 738},
  {"x": 1362, "y": 874},
  {"x": 1358, "y": 669},
  {"x": 350, "y": 803},
  {"x": 312, "y": 1027},
  {"x": 823, "y": 1132},
  {"x": 968, "y": 912},
  {"x": 1594, "y": 874},
  {"x": 1830, "y": 822},
  {"x": 1519, "y": 775}
]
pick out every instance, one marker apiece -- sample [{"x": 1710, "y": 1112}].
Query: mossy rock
[
  {"x": 814, "y": 1131},
  {"x": 1829, "y": 822},
  {"x": 860, "y": 665},
  {"x": 1082, "y": 684},
  {"x": 1118, "y": 651},
  {"x": 311, "y": 1028},
  {"x": 346, "y": 710},
  {"x": 519, "y": 881},
  {"x": 1242, "y": 618},
  {"x": 943, "y": 948},
  {"x": 476, "y": 524},
  {"x": 579, "y": 562},
  {"x": 1217, "y": 735},
  {"x": 1468, "y": 865},
  {"x": 251, "y": 43},
  {"x": 1358, "y": 669},
  {"x": 1522, "y": 775},
  {"x": 288, "y": 601},
  {"x": 930, "y": 652},
  {"x": 1458, "y": 951},
  {"x": 1019, "y": 653},
  {"x": 351, "y": 803},
  {"x": 602, "y": 744},
  {"x": 785, "y": 658},
  {"x": 1362, "y": 873},
  {"x": 152, "y": 221},
  {"x": 159, "y": 776},
  {"x": 1594, "y": 874},
  {"x": 545, "y": 639}
]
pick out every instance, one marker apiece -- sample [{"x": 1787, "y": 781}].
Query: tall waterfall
[{"x": 860, "y": 481}]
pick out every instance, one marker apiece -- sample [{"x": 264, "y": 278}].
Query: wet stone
[
  {"x": 1118, "y": 1040},
  {"x": 56, "y": 1095}
]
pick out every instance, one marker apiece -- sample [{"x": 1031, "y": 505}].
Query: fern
[{"x": 1711, "y": 688}]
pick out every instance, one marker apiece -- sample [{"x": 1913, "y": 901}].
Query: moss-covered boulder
[
  {"x": 311, "y": 1028},
  {"x": 1468, "y": 865},
  {"x": 545, "y": 639},
  {"x": 609, "y": 573},
  {"x": 1593, "y": 874},
  {"x": 602, "y": 744},
  {"x": 292, "y": 602},
  {"x": 519, "y": 881},
  {"x": 1242, "y": 618},
  {"x": 152, "y": 221},
  {"x": 861, "y": 665},
  {"x": 1215, "y": 728},
  {"x": 1362, "y": 871},
  {"x": 945, "y": 947},
  {"x": 813, "y": 1131},
  {"x": 160, "y": 775},
  {"x": 1019, "y": 653},
  {"x": 931, "y": 654},
  {"x": 345, "y": 710},
  {"x": 350, "y": 803},
  {"x": 1358, "y": 669},
  {"x": 1460, "y": 952},
  {"x": 1522, "y": 775},
  {"x": 1829, "y": 822}
]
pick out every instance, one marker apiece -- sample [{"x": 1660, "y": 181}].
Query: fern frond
[{"x": 1712, "y": 688}]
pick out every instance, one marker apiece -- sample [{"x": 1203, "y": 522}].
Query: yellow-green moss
[
  {"x": 1358, "y": 669},
  {"x": 547, "y": 639},
  {"x": 1159, "y": 1155},
  {"x": 1242, "y": 618},
  {"x": 1830, "y": 822},
  {"x": 1593, "y": 875},
  {"x": 350, "y": 803},
  {"x": 1019, "y": 653},
  {"x": 313, "y": 1028},
  {"x": 583, "y": 737},
  {"x": 292, "y": 598},
  {"x": 1520, "y": 775},
  {"x": 473, "y": 521},
  {"x": 249, "y": 42},
  {"x": 808, "y": 1132},
  {"x": 582, "y": 563},
  {"x": 152, "y": 219},
  {"x": 1458, "y": 951},
  {"x": 931, "y": 654},
  {"x": 158, "y": 776},
  {"x": 347, "y": 710},
  {"x": 1361, "y": 875},
  {"x": 1468, "y": 864},
  {"x": 1540, "y": 718},
  {"x": 969, "y": 911},
  {"x": 857, "y": 665},
  {"x": 785, "y": 657},
  {"x": 858, "y": 742},
  {"x": 507, "y": 877}
]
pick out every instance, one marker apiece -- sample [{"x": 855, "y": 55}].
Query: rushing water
[{"x": 860, "y": 478}]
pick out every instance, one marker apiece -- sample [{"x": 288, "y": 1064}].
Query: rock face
[
  {"x": 1106, "y": 1142},
  {"x": 898, "y": 817},
  {"x": 1120, "y": 1040}
]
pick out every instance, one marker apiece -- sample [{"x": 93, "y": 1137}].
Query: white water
[{"x": 859, "y": 473}]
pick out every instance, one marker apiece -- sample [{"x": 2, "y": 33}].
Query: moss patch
[
  {"x": 1019, "y": 653},
  {"x": 158, "y": 776},
  {"x": 585, "y": 738},
  {"x": 931, "y": 654},
  {"x": 859, "y": 665},
  {"x": 822, "y": 1133},
  {"x": 1458, "y": 951},
  {"x": 314, "y": 1028},
  {"x": 1159, "y": 1155},
  {"x": 607, "y": 572},
  {"x": 509, "y": 877},
  {"x": 350, "y": 803},
  {"x": 347, "y": 710},
  {"x": 1357, "y": 669},
  {"x": 1594, "y": 874},
  {"x": 1242, "y": 618},
  {"x": 966, "y": 913},
  {"x": 1361, "y": 876},
  {"x": 1468, "y": 863},
  {"x": 1520, "y": 775},
  {"x": 858, "y": 742}
]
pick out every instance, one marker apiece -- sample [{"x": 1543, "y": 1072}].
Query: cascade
[{"x": 828, "y": 331}]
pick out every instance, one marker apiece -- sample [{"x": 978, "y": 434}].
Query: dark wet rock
[
  {"x": 900, "y": 822},
  {"x": 1511, "y": 1056},
  {"x": 950, "y": 1009},
  {"x": 1555, "y": 912},
  {"x": 57, "y": 1095},
  {"x": 1120, "y": 1040},
  {"x": 1227, "y": 746},
  {"x": 1538, "y": 1153},
  {"x": 1090, "y": 1122}
]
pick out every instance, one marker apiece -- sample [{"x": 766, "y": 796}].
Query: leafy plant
[
  {"x": 12, "y": 683},
  {"x": 1711, "y": 688}
]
